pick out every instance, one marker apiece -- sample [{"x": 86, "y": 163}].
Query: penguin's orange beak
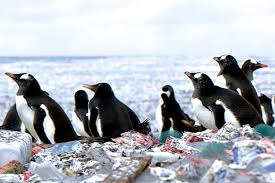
[
  {"x": 13, "y": 76},
  {"x": 262, "y": 65},
  {"x": 217, "y": 59},
  {"x": 90, "y": 87},
  {"x": 188, "y": 74}
]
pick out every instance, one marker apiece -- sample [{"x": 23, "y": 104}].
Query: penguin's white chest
[
  {"x": 159, "y": 117},
  {"x": 48, "y": 125},
  {"x": 228, "y": 115},
  {"x": 264, "y": 114},
  {"x": 203, "y": 115},
  {"x": 79, "y": 126},
  {"x": 26, "y": 115},
  {"x": 98, "y": 125}
]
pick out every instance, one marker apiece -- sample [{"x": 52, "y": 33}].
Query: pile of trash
[{"x": 228, "y": 155}]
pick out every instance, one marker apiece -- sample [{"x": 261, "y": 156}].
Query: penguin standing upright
[
  {"x": 42, "y": 116},
  {"x": 114, "y": 117},
  {"x": 267, "y": 109},
  {"x": 80, "y": 114},
  {"x": 214, "y": 106},
  {"x": 170, "y": 115},
  {"x": 236, "y": 80},
  {"x": 12, "y": 121}
]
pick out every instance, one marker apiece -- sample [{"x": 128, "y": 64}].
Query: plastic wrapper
[
  {"x": 245, "y": 151},
  {"x": 178, "y": 146},
  {"x": 15, "y": 146},
  {"x": 137, "y": 139},
  {"x": 172, "y": 133},
  {"x": 265, "y": 130},
  {"x": 163, "y": 173},
  {"x": 14, "y": 167},
  {"x": 11, "y": 178}
]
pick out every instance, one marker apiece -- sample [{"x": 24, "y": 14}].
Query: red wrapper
[
  {"x": 136, "y": 138},
  {"x": 14, "y": 167},
  {"x": 177, "y": 146},
  {"x": 37, "y": 149}
]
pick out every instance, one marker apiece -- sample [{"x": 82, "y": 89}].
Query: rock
[{"x": 15, "y": 146}]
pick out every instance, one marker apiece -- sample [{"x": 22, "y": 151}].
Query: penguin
[
  {"x": 169, "y": 114},
  {"x": 214, "y": 106},
  {"x": 273, "y": 103},
  {"x": 236, "y": 80},
  {"x": 249, "y": 66},
  {"x": 80, "y": 119},
  {"x": 12, "y": 121},
  {"x": 114, "y": 117},
  {"x": 43, "y": 117},
  {"x": 267, "y": 109}
]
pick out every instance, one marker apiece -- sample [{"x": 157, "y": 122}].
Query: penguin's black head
[
  {"x": 26, "y": 82},
  {"x": 264, "y": 99},
  {"x": 101, "y": 90},
  {"x": 227, "y": 64},
  {"x": 167, "y": 91},
  {"x": 252, "y": 65},
  {"x": 81, "y": 99},
  {"x": 200, "y": 80}
]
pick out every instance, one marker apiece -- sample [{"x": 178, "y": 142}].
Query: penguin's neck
[
  {"x": 204, "y": 92},
  {"x": 249, "y": 75}
]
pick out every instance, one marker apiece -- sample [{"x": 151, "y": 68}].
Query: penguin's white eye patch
[
  {"x": 167, "y": 93},
  {"x": 26, "y": 76},
  {"x": 223, "y": 57},
  {"x": 253, "y": 61},
  {"x": 197, "y": 76}
]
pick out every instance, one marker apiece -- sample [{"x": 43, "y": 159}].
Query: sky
[{"x": 137, "y": 27}]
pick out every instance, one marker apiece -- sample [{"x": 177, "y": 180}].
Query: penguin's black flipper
[
  {"x": 39, "y": 115},
  {"x": 133, "y": 117},
  {"x": 12, "y": 121},
  {"x": 218, "y": 112},
  {"x": 143, "y": 127},
  {"x": 92, "y": 119}
]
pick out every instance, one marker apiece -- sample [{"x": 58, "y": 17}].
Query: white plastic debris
[
  {"x": 163, "y": 173},
  {"x": 15, "y": 146}
]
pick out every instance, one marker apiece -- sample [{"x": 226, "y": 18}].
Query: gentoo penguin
[
  {"x": 12, "y": 121},
  {"x": 249, "y": 66},
  {"x": 213, "y": 106},
  {"x": 80, "y": 119},
  {"x": 236, "y": 80},
  {"x": 42, "y": 116},
  {"x": 170, "y": 115},
  {"x": 267, "y": 109},
  {"x": 114, "y": 117}
]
